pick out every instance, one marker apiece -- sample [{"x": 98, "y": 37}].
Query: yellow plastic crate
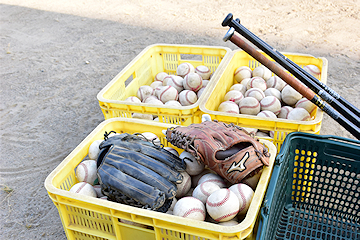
[
  {"x": 142, "y": 70},
  {"x": 281, "y": 127},
  {"x": 86, "y": 217}
]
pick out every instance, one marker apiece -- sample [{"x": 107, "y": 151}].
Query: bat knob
[
  {"x": 229, "y": 34},
  {"x": 227, "y": 20}
]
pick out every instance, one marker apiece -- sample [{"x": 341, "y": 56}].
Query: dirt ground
[{"x": 55, "y": 56}]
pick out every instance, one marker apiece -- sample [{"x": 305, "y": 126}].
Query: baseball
[
  {"x": 239, "y": 87},
  {"x": 244, "y": 194},
  {"x": 273, "y": 92},
  {"x": 214, "y": 178},
  {"x": 299, "y": 114},
  {"x": 172, "y": 103},
  {"x": 185, "y": 68},
  {"x": 94, "y": 149},
  {"x": 205, "y": 83},
  {"x": 151, "y": 137},
  {"x": 172, "y": 150},
  {"x": 167, "y": 93},
  {"x": 275, "y": 82},
  {"x": 256, "y": 93},
  {"x": 229, "y": 107},
  {"x": 313, "y": 70},
  {"x": 203, "y": 71},
  {"x": 160, "y": 76},
  {"x": 190, "y": 207},
  {"x": 156, "y": 84},
  {"x": 192, "y": 81},
  {"x": 229, "y": 223},
  {"x": 142, "y": 116},
  {"x": 86, "y": 171},
  {"x": 166, "y": 79},
  {"x": 245, "y": 82},
  {"x": 307, "y": 104},
  {"x": 263, "y": 72},
  {"x": 195, "y": 179},
  {"x": 193, "y": 167},
  {"x": 284, "y": 111},
  {"x": 270, "y": 103},
  {"x": 204, "y": 190},
  {"x": 250, "y": 130},
  {"x": 290, "y": 96},
  {"x": 184, "y": 186},
  {"x": 266, "y": 114},
  {"x": 222, "y": 205},
  {"x": 187, "y": 97},
  {"x": 144, "y": 91},
  {"x": 133, "y": 99},
  {"x": 200, "y": 92},
  {"x": 154, "y": 101},
  {"x": 242, "y": 73},
  {"x": 83, "y": 188},
  {"x": 234, "y": 96},
  {"x": 250, "y": 106},
  {"x": 149, "y": 98},
  {"x": 256, "y": 82},
  {"x": 176, "y": 82}
]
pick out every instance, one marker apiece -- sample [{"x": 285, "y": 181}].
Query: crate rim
[
  {"x": 139, "y": 55},
  {"x": 51, "y": 189}
]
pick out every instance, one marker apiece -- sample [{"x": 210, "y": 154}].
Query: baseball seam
[
  {"x": 197, "y": 69},
  {"x": 194, "y": 210},
  {"x": 242, "y": 195},
  {"x": 86, "y": 171},
  {"x": 226, "y": 216},
  {"x": 220, "y": 203},
  {"x": 206, "y": 193},
  {"x": 81, "y": 187},
  {"x": 254, "y": 106},
  {"x": 269, "y": 104}
]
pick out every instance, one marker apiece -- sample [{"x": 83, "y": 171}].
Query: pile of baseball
[
  {"x": 258, "y": 92},
  {"x": 182, "y": 89}
]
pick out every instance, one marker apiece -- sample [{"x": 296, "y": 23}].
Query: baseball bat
[
  {"x": 312, "y": 80},
  {"x": 306, "y": 92},
  {"x": 337, "y": 105}
]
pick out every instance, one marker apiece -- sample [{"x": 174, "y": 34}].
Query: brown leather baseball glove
[{"x": 226, "y": 149}]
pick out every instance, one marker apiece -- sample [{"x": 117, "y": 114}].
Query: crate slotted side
[{"x": 317, "y": 192}]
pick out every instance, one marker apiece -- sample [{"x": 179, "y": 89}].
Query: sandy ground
[{"x": 55, "y": 56}]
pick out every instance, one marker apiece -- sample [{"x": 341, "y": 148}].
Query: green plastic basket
[{"x": 314, "y": 191}]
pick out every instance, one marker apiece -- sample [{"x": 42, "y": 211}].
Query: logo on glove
[{"x": 240, "y": 165}]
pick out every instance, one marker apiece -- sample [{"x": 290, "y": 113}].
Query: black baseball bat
[{"x": 306, "y": 92}]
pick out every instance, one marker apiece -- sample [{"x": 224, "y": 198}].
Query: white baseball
[
  {"x": 154, "y": 101},
  {"x": 256, "y": 82},
  {"x": 144, "y": 91},
  {"x": 275, "y": 82},
  {"x": 203, "y": 71},
  {"x": 94, "y": 149},
  {"x": 173, "y": 103},
  {"x": 86, "y": 171},
  {"x": 313, "y": 70},
  {"x": 168, "y": 93},
  {"x": 234, "y": 96},
  {"x": 83, "y": 188},
  {"x": 299, "y": 114},
  {"x": 204, "y": 190},
  {"x": 307, "y": 104},
  {"x": 229, "y": 107},
  {"x": 166, "y": 79},
  {"x": 250, "y": 106},
  {"x": 270, "y": 103},
  {"x": 256, "y": 93},
  {"x": 192, "y": 81},
  {"x": 266, "y": 114},
  {"x": 242, "y": 73},
  {"x": 214, "y": 178},
  {"x": 151, "y": 137},
  {"x": 149, "y": 98},
  {"x": 142, "y": 116},
  {"x": 193, "y": 167},
  {"x": 187, "y": 97},
  {"x": 190, "y": 207},
  {"x": 184, "y": 68},
  {"x": 273, "y": 92},
  {"x": 160, "y": 76},
  {"x": 244, "y": 194},
  {"x": 263, "y": 72},
  {"x": 184, "y": 186},
  {"x": 200, "y": 92},
  {"x": 239, "y": 87},
  {"x": 156, "y": 84},
  {"x": 222, "y": 205},
  {"x": 176, "y": 82},
  {"x": 290, "y": 96},
  {"x": 195, "y": 179},
  {"x": 172, "y": 150},
  {"x": 205, "y": 83},
  {"x": 245, "y": 82},
  {"x": 284, "y": 111},
  {"x": 133, "y": 99}
]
